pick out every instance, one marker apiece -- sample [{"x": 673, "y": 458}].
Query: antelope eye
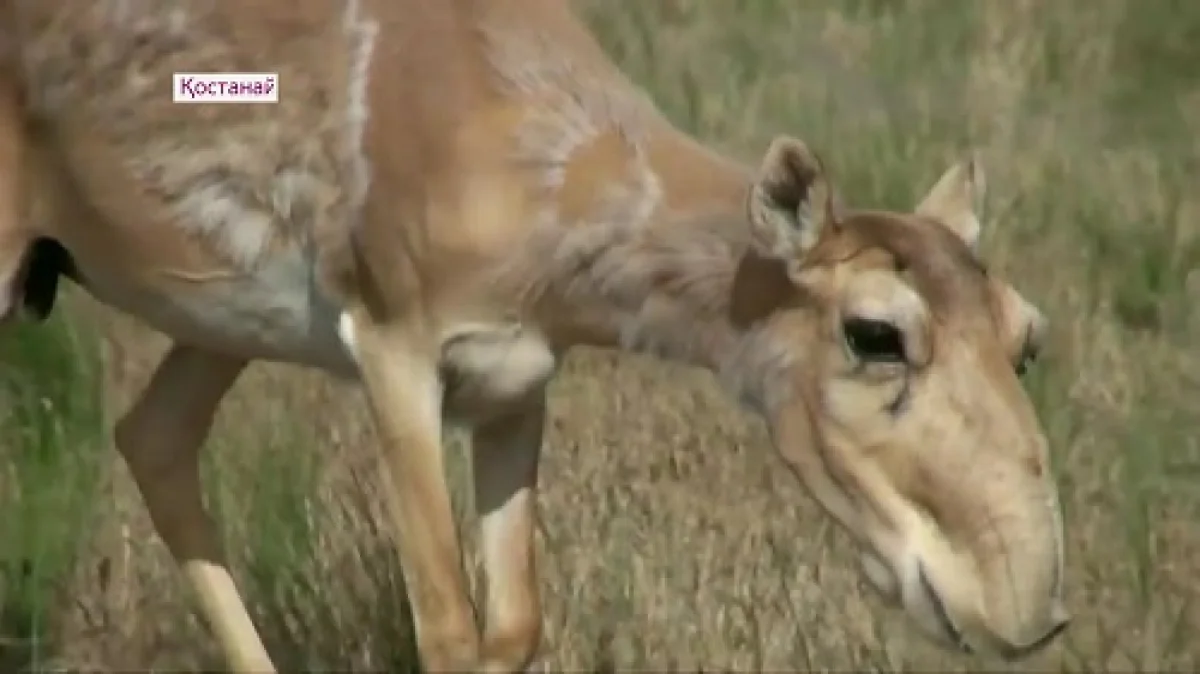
[{"x": 874, "y": 340}]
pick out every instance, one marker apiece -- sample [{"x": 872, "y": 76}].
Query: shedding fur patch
[
  {"x": 221, "y": 196},
  {"x": 665, "y": 286},
  {"x": 361, "y": 33},
  {"x": 666, "y": 290},
  {"x": 569, "y": 106},
  {"x": 336, "y": 260},
  {"x": 244, "y": 179}
]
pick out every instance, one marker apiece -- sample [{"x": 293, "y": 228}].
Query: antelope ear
[
  {"x": 955, "y": 200},
  {"x": 791, "y": 202}
]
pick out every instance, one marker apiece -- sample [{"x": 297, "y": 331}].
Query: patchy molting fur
[
  {"x": 335, "y": 241},
  {"x": 259, "y": 186},
  {"x": 666, "y": 287},
  {"x": 361, "y": 33},
  {"x": 242, "y": 179},
  {"x": 573, "y": 107},
  {"x": 665, "y": 291},
  {"x": 246, "y": 183}
]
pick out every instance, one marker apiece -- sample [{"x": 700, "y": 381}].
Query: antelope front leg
[
  {"x": 505, "y": 455},
  {"x": 405, "y": 394},
  {"x": 160, "y": 438}
]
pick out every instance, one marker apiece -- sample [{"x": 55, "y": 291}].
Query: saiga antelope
[{"x": 446, "y": 198}]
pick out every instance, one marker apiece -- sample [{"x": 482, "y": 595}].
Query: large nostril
[
  {"x": 1057, "y": 627},
  {"x": 939, "y": 609},
  {"x": 1060, "y": 621}
]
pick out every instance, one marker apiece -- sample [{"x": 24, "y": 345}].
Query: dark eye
[{"x": 874, "y": 340}]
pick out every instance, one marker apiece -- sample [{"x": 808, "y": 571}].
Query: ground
[{"x": 671, "y": 537}]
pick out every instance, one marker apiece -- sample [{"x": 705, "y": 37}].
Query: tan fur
[{"x": 450, "y": 195}]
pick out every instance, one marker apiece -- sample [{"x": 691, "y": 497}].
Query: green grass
[
  {"x": 1088, "y": 116},
  {"x": 51, "y": 437}
]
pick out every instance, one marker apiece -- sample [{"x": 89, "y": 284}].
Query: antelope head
[{"x": 899, "y": 403}]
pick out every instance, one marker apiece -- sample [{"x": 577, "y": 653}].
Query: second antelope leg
[
  {"x": 505, "y": 455},
  {"x": 160, "y": 438}
]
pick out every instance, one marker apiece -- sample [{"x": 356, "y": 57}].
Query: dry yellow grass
[{"x": 671, "y": 538}]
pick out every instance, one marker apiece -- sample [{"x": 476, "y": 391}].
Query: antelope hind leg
[{"x": 160, "y": 438}]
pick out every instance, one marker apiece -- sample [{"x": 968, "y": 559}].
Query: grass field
[{"x": 671, "y": 537}]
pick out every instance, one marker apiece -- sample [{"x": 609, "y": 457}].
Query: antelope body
[{"x": 445, "y": 199}]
